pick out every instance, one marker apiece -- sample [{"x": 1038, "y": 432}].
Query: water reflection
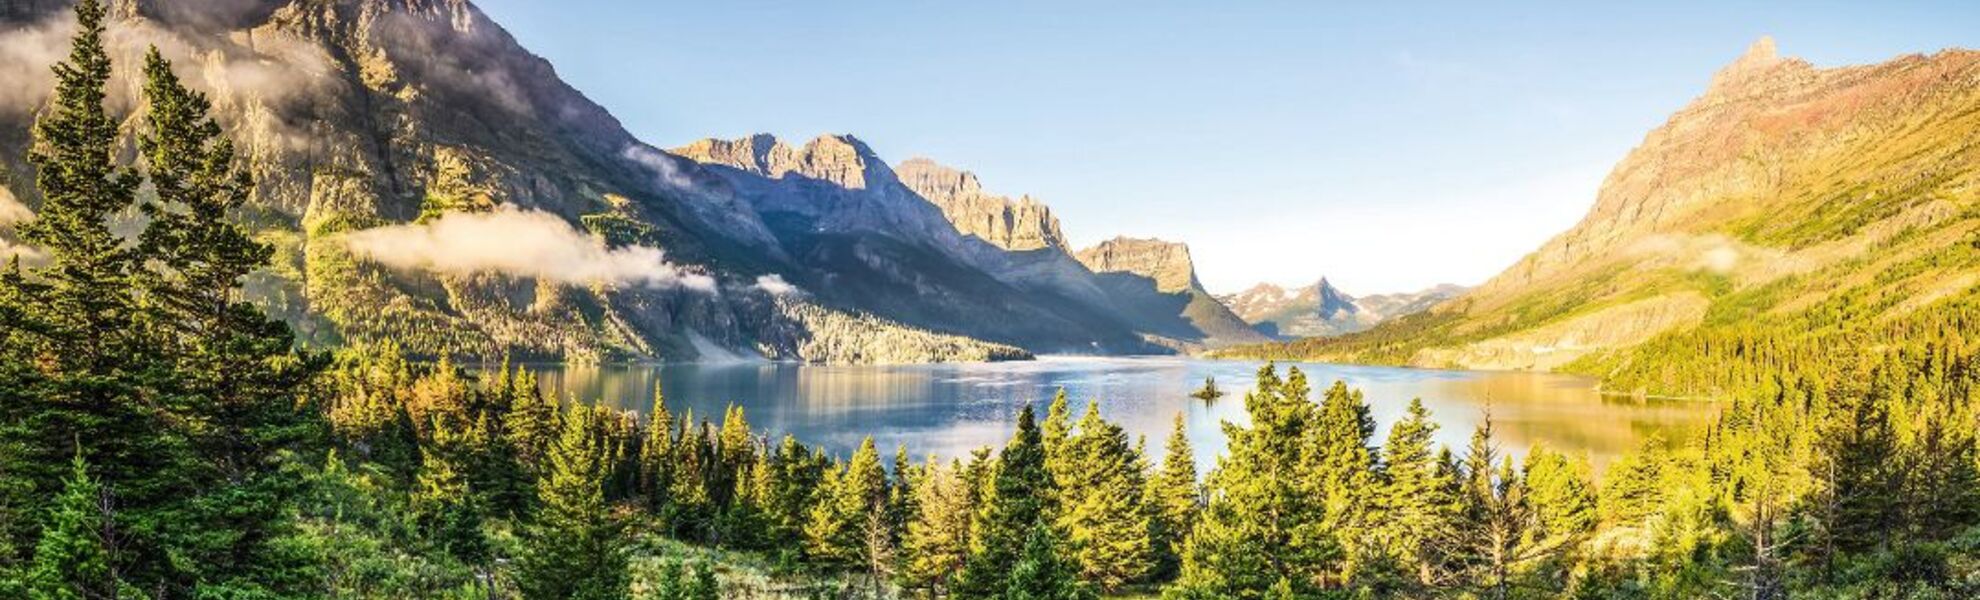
[{"x": 951, "y": 409}]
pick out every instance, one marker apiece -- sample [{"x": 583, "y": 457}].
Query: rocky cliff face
[
  {"x": 1168, "y": 263},
  {"x": 1782, "y": 199},
  {"x": 1322, "y": 309},
  {"x": 1131, "y": 264},
  {"x": 1021, "y": 224}
]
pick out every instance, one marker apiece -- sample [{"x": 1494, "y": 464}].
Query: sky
[{"x": 1385, "y": 148}]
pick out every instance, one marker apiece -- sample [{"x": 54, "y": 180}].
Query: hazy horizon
[{"x": 1386, "y": 151}]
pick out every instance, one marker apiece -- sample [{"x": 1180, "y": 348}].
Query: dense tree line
[{"x": 161, "y": 438}]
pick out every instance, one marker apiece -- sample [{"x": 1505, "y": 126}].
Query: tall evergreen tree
[
  {"x": 936, "y": 540},
  {"x": 836, "y": 533},
  {"x": 236, "y": 378},
  {"x": 1417, "y": 507},
  {"x": 74, "y": 361},
  {"x": 1561, "y": 494},
  {"x": 1175, "y": 498},
  {"x": 1345, "y": 466},
  {"x": 1101, "y": 510},
  {"x": 574, "y": 547},
  {"x": 1264, "y": 527},
  {"x": 1011, "y": 507},
  {"x": 656, "y": 455},
  {"x": 447, "y": 511}
]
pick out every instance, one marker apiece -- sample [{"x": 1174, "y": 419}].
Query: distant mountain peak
[
  {"x": 1760, "y": 60},
  {"x": 1322, "y": 309},
  {"x": 1334, "y": 303}
]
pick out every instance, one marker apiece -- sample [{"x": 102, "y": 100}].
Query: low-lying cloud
[
  {"x": 665, "y": 172},
  {"x": 775, "y": 285},
  {"x": 521, "y": 243}
]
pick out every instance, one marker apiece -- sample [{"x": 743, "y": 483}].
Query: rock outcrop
[{"x": 1168, "y": 263}]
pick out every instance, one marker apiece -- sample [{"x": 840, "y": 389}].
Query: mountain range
[
  {"x": 1788, "y": 211},
  {"x": 1323, "y": 310},
  {"x": 426, "y": 180}
]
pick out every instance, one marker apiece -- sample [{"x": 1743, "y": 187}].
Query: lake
[{"x": 950, "y": 409}]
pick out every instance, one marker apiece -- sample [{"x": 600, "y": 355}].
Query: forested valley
[{"x": 160, "y": 437}]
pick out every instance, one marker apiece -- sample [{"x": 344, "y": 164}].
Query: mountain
[
  {"x": 925, "y": 244},
  {"x": 1128, "y": 265},
  {"x": 1788, "y": 212},
  {"x": 1322, "y": 309},
  {"x": 425, "y": 180}
]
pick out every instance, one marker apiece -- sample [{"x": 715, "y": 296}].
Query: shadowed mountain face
[
  {"x": 1322, "y": 309},
  {"x": 924, "y": 244},
  {"x": 1788, "y": 209}
]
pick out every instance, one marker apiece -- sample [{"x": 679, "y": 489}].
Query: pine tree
[
  {"x": 1634, "y": 487},
  {"x": 74, "y": 362},
  {"x": 735, "y": 451},
  {"x": 1040, "y": 574},
  {"x": 1862, "y": 487},
  {"x": 690, "y": 507},
  {"x": 789, "y": 486},
  {"x": 1264, "y": 525},
  {"x": 573, "y": 549},
  {"x": 836, "y": 533},
  {"x": 1175, "y": 498},
  {"x": 74, "y": 560},
  {"x": 448, "y": 512},
  {"x": 1055, "y": 434},
  {"x": 1417, "y": 506},
  {"x": 1561, "y": 495},
  {"x": 1499, "y": 527},
  {"x": 1101, "y": 508},
  {"x": 936, "y": 540},
  {"x": 1346, "y": 471},
  {"x": 1012, "y": 506}
]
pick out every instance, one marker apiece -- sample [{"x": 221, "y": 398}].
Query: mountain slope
[
  {"x": 422, "y": 127},
  {"x": 1322, "y": 309},
  {"x": 1789, "y": 215}
]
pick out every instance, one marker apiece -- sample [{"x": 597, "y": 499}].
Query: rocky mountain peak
[
  {"x": 1021, "y": 224},
  {"x": 1760, "y": 59},
  {"x": 1168, "y": 263},
  {"x": 841, "y": 160},
  {"x": 1333, "y": 302}
]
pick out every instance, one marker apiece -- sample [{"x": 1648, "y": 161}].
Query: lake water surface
[{"x": 953, "y": 408}]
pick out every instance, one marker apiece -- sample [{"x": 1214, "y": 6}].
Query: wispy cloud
[
  {"x": 522, "y": 243},
  {"x": 775, "y": 285}
]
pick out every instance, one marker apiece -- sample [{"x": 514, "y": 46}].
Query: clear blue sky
[{"x": 1387, "y": 149}]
